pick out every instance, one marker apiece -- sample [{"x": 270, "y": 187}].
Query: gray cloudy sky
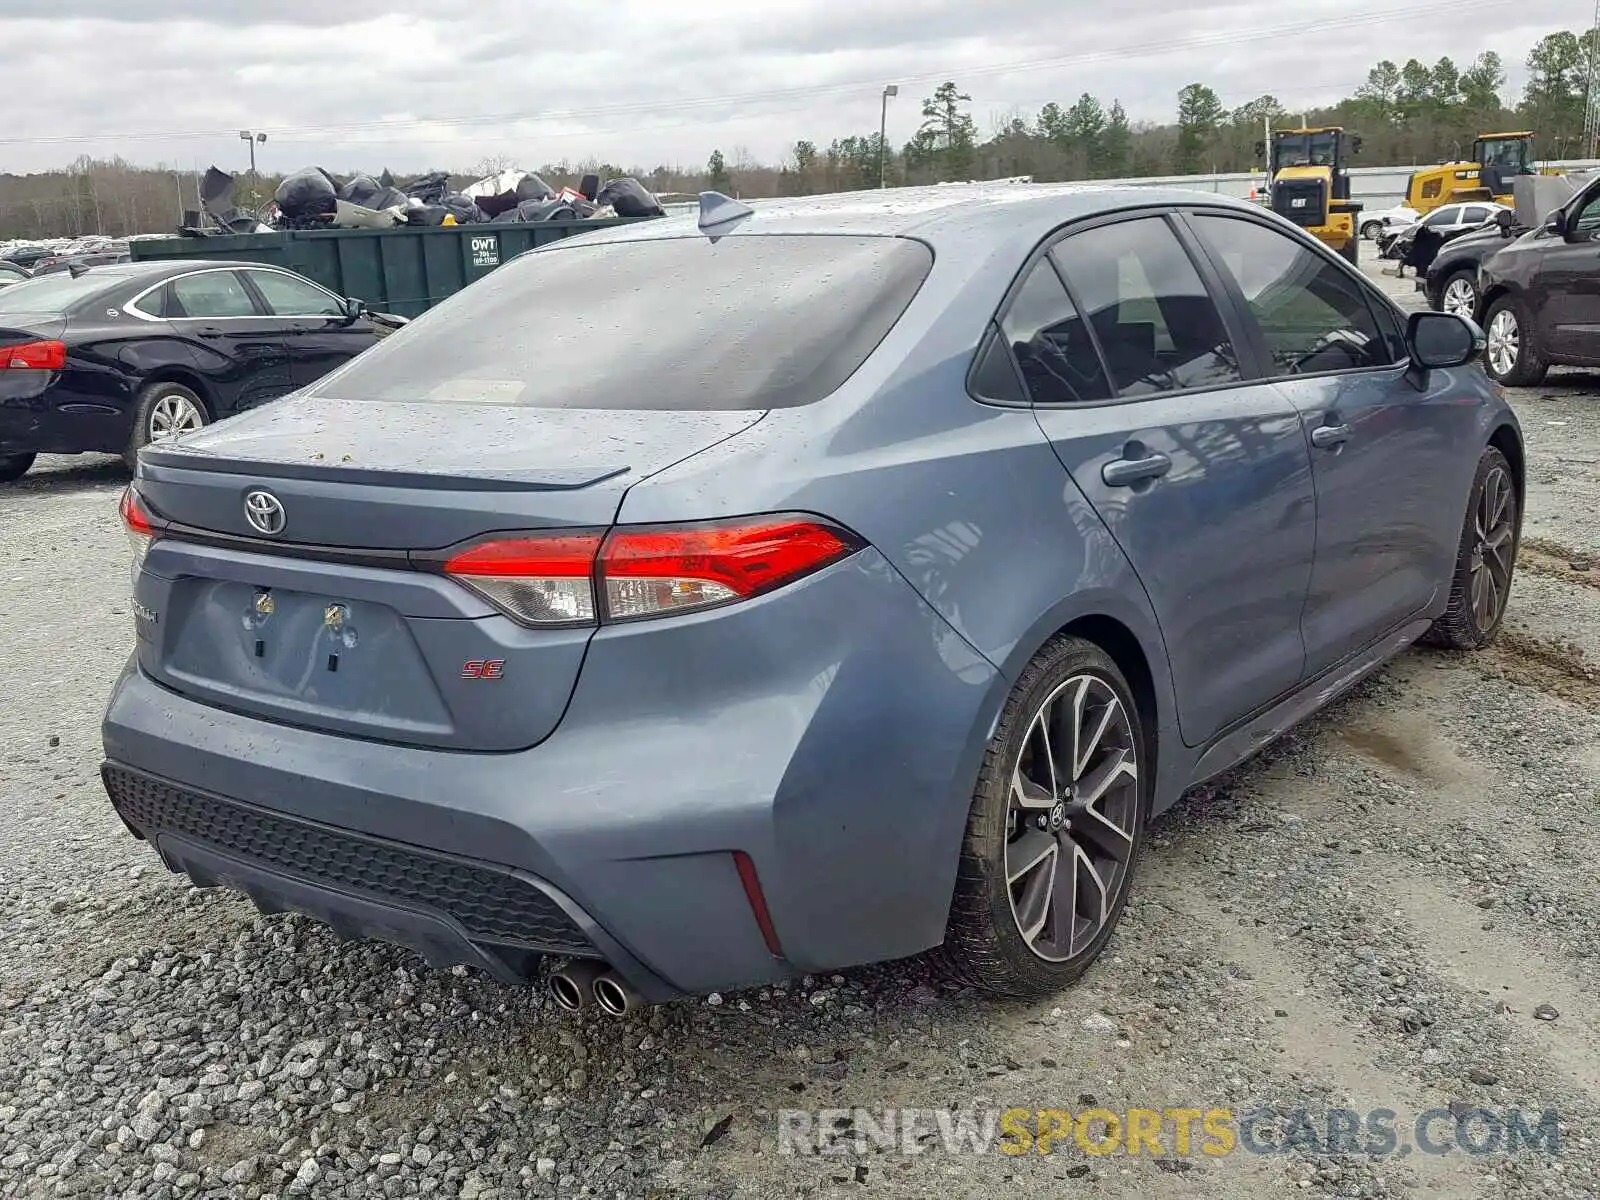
[{"x": 413, "y": 83}]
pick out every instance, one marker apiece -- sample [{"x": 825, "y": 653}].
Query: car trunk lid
[{"x": 329, "y": 623}]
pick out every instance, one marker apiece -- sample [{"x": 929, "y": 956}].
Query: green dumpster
[{"x": 404, "y": 270}]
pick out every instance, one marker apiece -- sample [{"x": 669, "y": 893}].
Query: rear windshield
[
  {"x": 750, "y": 321},
  {"x": 50, "y": 294}
]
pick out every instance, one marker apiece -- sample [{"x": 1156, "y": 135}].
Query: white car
[{"x": 1375, "y": 223}]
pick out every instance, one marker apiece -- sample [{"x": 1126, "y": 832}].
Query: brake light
[
  {"x": 565, "y": 579},
  {"x": 34, "y": 356},
  {"x": 136, "y": 521}
]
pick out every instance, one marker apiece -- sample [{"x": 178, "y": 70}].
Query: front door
[
  {"x": 1386, "y": 537},
  {"x": 318, "y": 334},
  {"x": 1203, "y": 479},
  {"x": 237, "y": 346},
  {"x": 1569, "y": 285}
]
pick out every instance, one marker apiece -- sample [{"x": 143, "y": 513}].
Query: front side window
[
  {"x": 1586, "y": 220},
  {"x": 1312, "y": 313},
  {"x": 288, "y": 296},
  {"x": 750, "y": 321},
  {"x": 212, "y": 294},
  {"x": 1448, "y": 215},
  {"x": 1158, "y": 328}
]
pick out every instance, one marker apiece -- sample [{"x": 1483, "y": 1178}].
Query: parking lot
[{"x": 1395, "y": 908}]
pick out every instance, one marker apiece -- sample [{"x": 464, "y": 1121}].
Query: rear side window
[
  {"x": 750, "y": 321},
  {"x": 1314, "y": 316},
  {"x": 1051, "y": 342},
  {"x": 212, "y": 294},
  {"x": 1158, "y": 327}
]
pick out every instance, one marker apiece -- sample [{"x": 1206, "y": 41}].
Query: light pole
[
  {"x": 883, "y": 141},
  {"x": 246, "y": 135}
]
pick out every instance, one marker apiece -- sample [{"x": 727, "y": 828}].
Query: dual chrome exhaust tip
[{"x": 579, "y": 983}]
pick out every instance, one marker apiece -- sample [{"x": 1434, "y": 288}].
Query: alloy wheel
[
  {"x": 1460, "y": 298},
  {"x": 173, "y": 414},
  {"x": 1072, "y": 817},
  {"x": 1493, "y": 549},
  {"x": 1504, "y": 342}
]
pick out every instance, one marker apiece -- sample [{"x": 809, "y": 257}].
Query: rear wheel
[
  {"x": 1371, "y": 230},
  {"x": 1486, "y": 560},
  {"x": 1459, "y": 295},
  {"x": 14, "y": 466},
  {"x": 165, "y": 411},
  {"x": 1056, "y": 826},
  {"x": 1511, "y": 352}
]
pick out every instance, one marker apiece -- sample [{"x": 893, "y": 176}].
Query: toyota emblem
[{"x": 265, "y": 512}]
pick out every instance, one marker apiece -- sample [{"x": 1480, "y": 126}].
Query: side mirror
[
  {"x": 1557, "y": 223},
  {"x": 1505, "y": 218},
  {"x": 354, "y": 310},
  {"x": 1440, "y": 340}
]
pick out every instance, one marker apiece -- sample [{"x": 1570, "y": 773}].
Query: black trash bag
[
  {"x": 427, "y": 215},
  {"x": 430, "y": 188},
  {"x": 554, "y": 209},
  {"x": 306, "y": 195},
  {"x": 386, "y": 179},
  {"x": 589, "y": 187},
  {"x": 629, "y": 198},
  {"x": 510, "y": 217},
  {"x": 367, "y": 192},
  {"x": 528, "y": 186},
  {"x": 463, "y": 208}
]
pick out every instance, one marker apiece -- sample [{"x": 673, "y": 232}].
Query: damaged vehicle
[
  {"x": 110, "y": 359},
  {"x": 857, "y": 577}
]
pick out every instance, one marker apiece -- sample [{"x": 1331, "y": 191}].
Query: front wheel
[
  {"x": 14, "y": 466},
  {"x": 165, "y": 411},
  {"x": 1055, "y": 829},
  {"x": 1486, "y": 560},
  {"x": 1459, "y": 296},
  {"x": 1511, "y": 351}
]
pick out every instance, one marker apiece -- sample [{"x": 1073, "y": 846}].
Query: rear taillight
[
  {"x": 34, "y": 356},
  {"x": 136, "y": 520},
  {"x": 573, "y": 579}
]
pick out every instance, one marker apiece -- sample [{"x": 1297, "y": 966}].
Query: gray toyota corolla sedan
[{"x": 711, "y": 600}]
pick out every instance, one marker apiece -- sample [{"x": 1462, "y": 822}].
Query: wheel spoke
[
  {"x": 1033, "y": 907},
  {"x": 1091, "y": 889},
  {"x": 1028, "y": 795},
  {"x": 1027, "y": 852}
]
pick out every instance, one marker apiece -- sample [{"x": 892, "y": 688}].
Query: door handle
[
  {"x": 1125, "y": 472},
  {"x": 1330, "y": 437}
]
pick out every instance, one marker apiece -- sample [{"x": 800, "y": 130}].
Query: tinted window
[
  {"x": 1586, "y": 220},
  {"x": 1051, "y": 342},
  {"x": 288, "y": 296},
  {"x": 1448, "y": 215},
  {"x": 46, "y": 294},
  {"x": 750, "y": 321},
  {"x": 156, "y": 303},
  {"x": 1157, "y": 326},
  {"x": 213, "y": 294},
  {"x": 1476, "y": 214},
  {"x": 1314, "y": 316},
  {"x": 994, "y": 377}
]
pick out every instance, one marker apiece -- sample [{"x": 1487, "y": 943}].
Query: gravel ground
[{"x": 1395, "y": 908}]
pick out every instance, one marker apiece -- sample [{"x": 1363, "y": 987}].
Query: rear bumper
[
  {"x": 837, "y": 750},
  {"x": 32, "y": 419}
]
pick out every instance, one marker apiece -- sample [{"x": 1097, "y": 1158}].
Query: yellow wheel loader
[
  {"x": 1310, "y": 173},
  {"x": 1497, "y": 159}
]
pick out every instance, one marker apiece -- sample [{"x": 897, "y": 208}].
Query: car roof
[
  {"x": 942, "y": 211},
  {"x": 158, "y": 267}
]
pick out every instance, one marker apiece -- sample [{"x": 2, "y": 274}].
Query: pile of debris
[{"x": 317, "y": 199}]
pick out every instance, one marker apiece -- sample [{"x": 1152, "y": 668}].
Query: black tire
[
  {"x": 1371, "y": 230},
  {"x": 14, "y": 466},
  {"x": 155, "y": 399},
  {"x": 1467, "y": 276},
  {"x": 1464, "y": 626},
  {"x": 1527, "y": 367},
  {"x": 984, "y": 941}
]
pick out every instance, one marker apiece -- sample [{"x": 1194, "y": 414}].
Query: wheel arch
[
  {"x": 1508, "y": 441},
  {"x": 1489, "y": 299},
  {"x": 184, "y": 377}
]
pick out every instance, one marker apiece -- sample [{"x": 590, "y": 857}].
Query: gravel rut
[{"x": 1396, "y": 907}]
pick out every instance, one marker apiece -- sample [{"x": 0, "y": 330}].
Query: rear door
[
  {"x": 239, "y": 347},
  {"x": 1385, "y": 455},
  {"x": 1202, "y": 477},
  {"x": 318, "y": 334}
]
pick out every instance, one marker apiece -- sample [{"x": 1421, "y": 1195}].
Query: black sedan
[{"x": 111, "y": 358}]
